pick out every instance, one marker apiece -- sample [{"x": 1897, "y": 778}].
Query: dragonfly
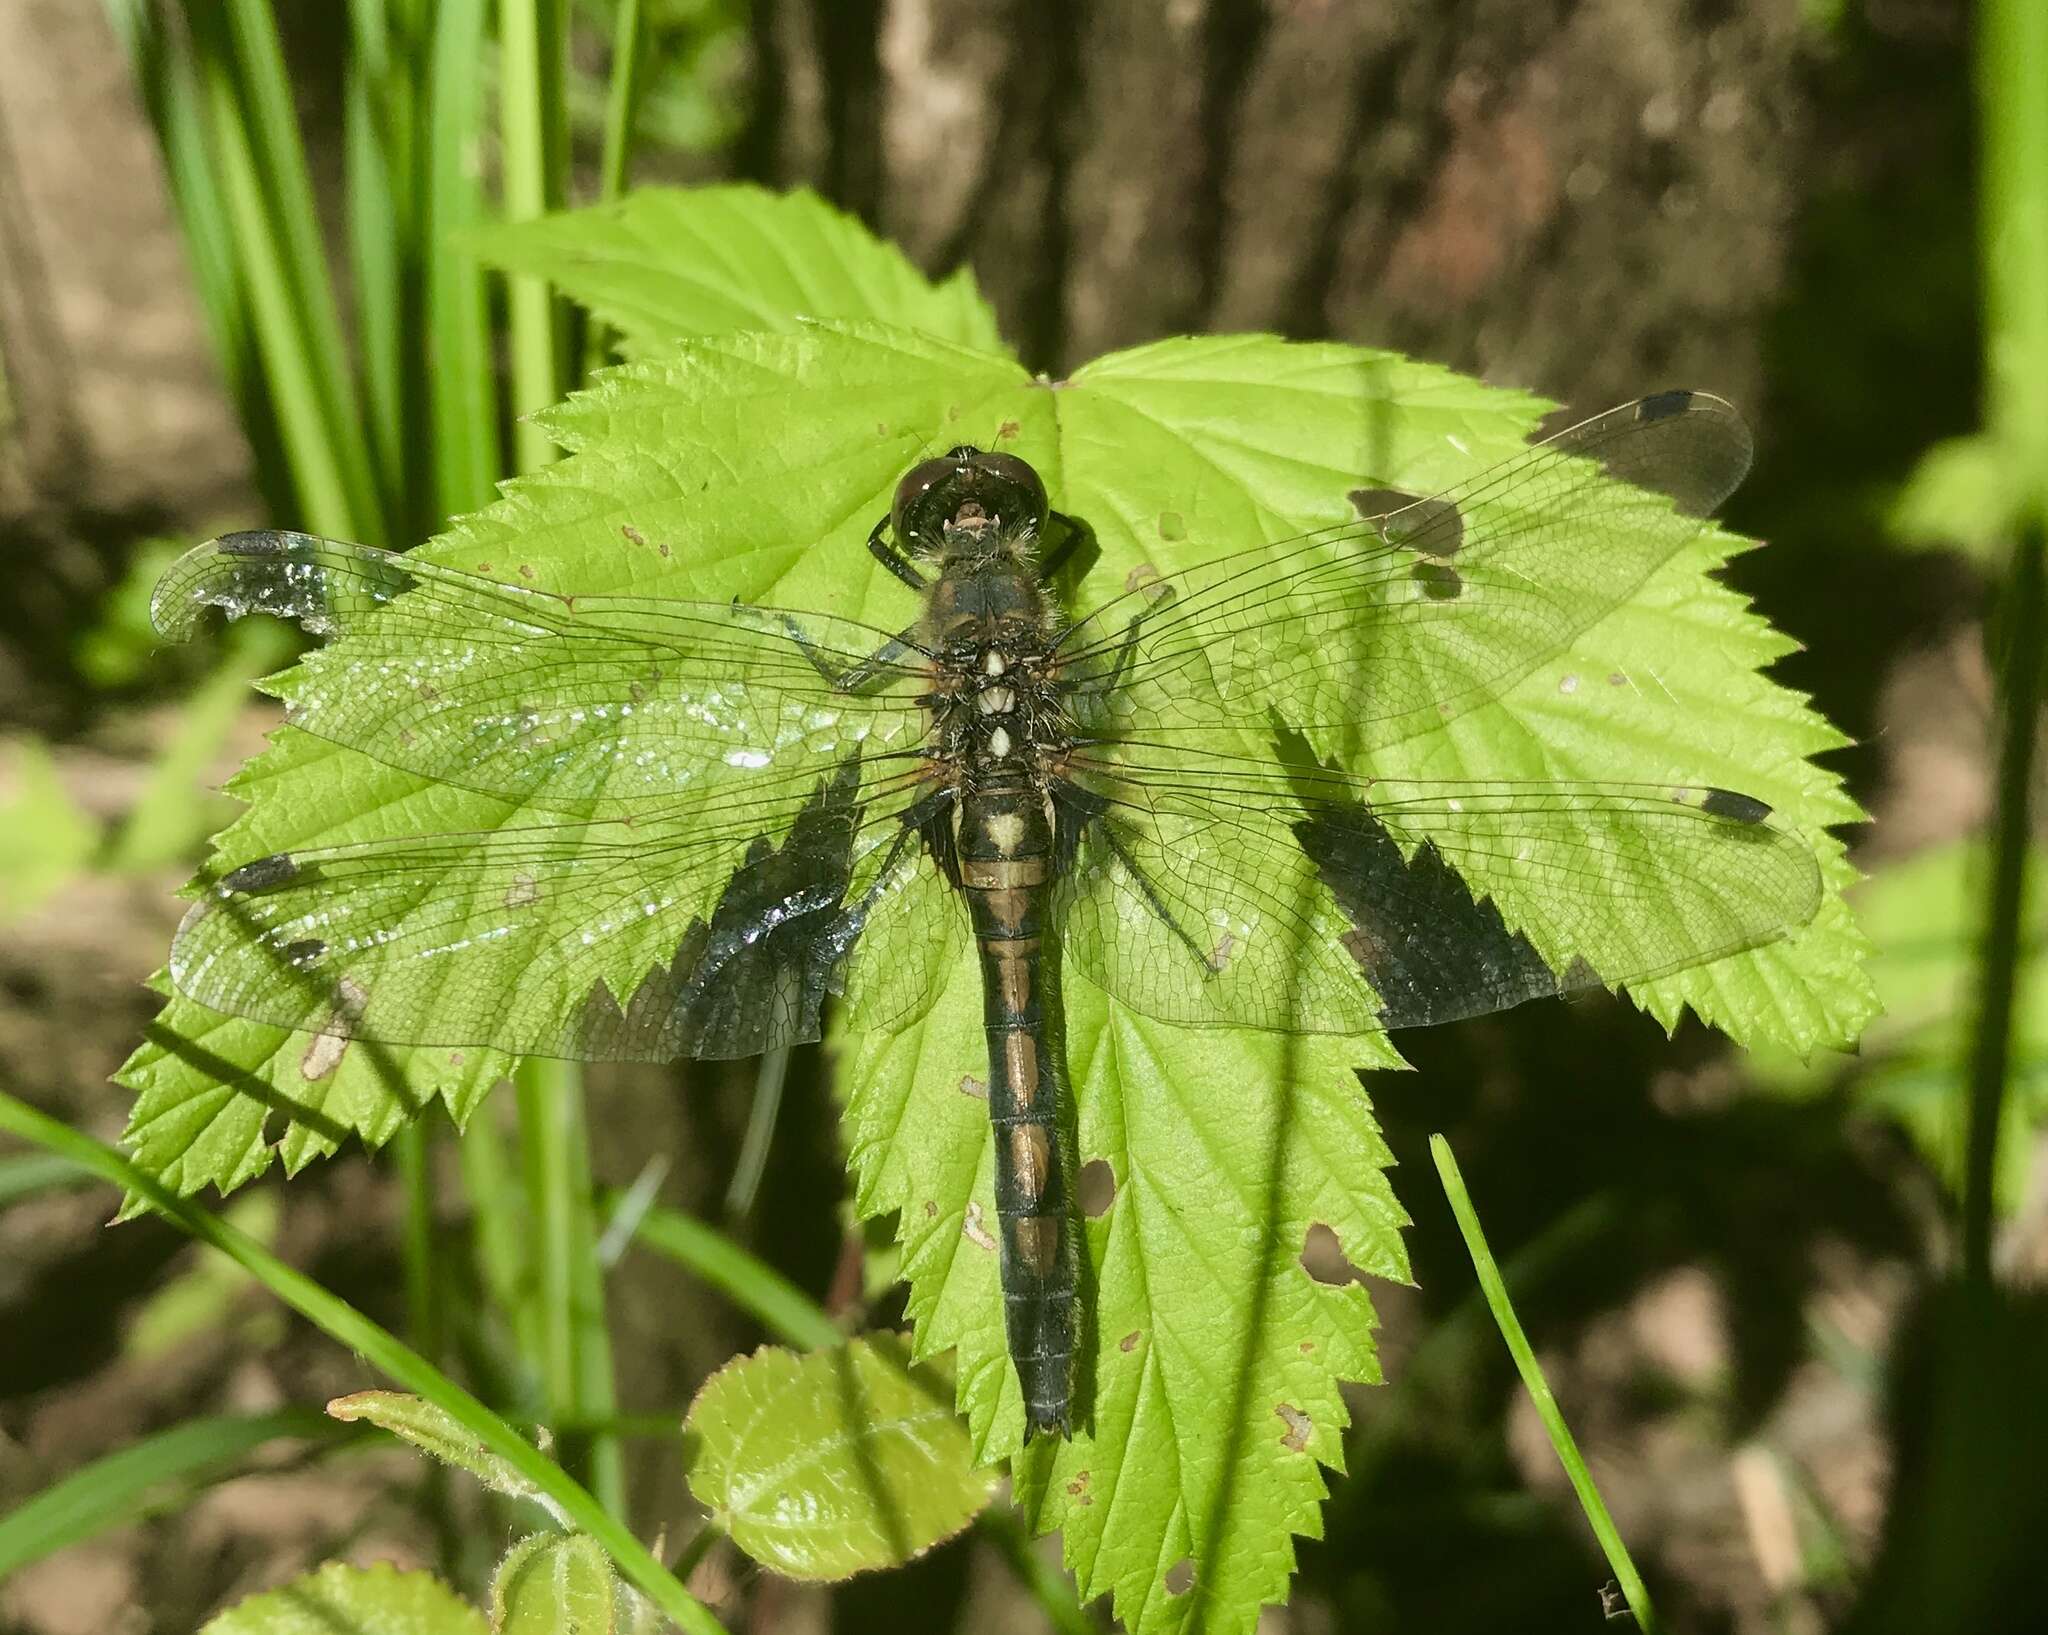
[{"x": 732, "y": 816}]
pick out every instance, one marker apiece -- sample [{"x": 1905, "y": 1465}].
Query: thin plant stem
[
  {"x": 170, "y": 93},
  {"x": 547, "y": 1121},
  {"x": 1538, "y": 1388},
  {"x": 463, "y": 389},
  {"x": 383, "y": 1351},
  {"x": 528, "y": 31},
  {"x": 414, "y": 1147},
  {"x": 622, "y": 101},
  {"x": 749, "y": 1282},
  {"x": 752, "y": 1164},
  {"x": 2012, "y": 63}
]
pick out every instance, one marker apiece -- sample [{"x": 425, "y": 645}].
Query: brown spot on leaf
[
  {"x": 632, "y": 534},
  {"x": 1128, "y": 1343},
  {"x": 974, "y": 1232},
  {"x": 971, "y": 1086},
  {"x": 1077, "y": 1489},
  {"x": 1299, "y": 1426},
  {"x": 526, "y": 570}
]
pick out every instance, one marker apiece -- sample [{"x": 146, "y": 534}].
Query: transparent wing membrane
[
  {"x": 648, "y": 940},
  {"x": 590, "y": 705},
  {"x": 750, "y": 811},
  {"x": 1220, "y": 891},
  {"x": 1391, "y": 626}
]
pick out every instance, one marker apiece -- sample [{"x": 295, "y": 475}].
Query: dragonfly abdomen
[{"x": 1005, "y": 859}]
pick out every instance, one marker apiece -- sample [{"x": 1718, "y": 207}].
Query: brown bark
[{"x": 1589, "y": 197}]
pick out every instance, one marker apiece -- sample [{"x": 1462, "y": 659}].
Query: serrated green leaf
[
  {"x": 825, "y": 1464},
  {"x": 555, "y": 1584},
  {"x": 665, "y": 264},
  {"x": 752, "y": 465},
  {"x": 432, "y": 1430},
  {"x": 343, "y": 1600}
]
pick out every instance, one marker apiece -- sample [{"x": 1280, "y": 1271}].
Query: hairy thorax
[{"x": 992, "y": 697}]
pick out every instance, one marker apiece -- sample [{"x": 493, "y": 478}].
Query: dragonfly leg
[
  {"x": 1153, "y": 900},
  {"x": 891, "y": 558},
  {"x": 1073, "y": 535},
  {"x": 852, "y": 677}
]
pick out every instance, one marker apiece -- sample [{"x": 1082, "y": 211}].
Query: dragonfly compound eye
[
  {"x": 1013, "y": 490},
  {"x": 921, "y": 499}
]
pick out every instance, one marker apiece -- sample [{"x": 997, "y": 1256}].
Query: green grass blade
[
  {"x": 269, "y": 138},
  {"x": 170, "y": 94},
  {"x": 413, "y": 1147},
  {"x": 575, "y": 1349},
  {"x": 145, "y": 1476},
  {"x": 1538, "y": 1388},
  {"x": 325, "y": 492},
  {"x": 2012, "y": 58},
  {"x": 622, "y": 101},
  {"x": 529, "y": 41},
  {"x": 375, "y": 264},
  {"x": 31, "y": 1174},
  {"x": 751, "y": 1284},
  {"x": 339, "y": 1320},
  {"x": 463, "y": 386}
]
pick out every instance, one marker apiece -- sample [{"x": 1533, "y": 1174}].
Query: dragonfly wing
[
  {"x": 909, "y": 921},
  {"x": 602, "y": 940},
  {"x": 594, "y": 705},
  {"x": 1386, "y": 628},
  {"x": 1294, "y": 898}
]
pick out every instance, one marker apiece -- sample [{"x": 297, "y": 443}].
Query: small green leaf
[
  {"x": 344, "y": 1600},
  {"x": 430, "y": 1429},
  {"x": 555, "y": 1584},
  {"x": 664, "y": 264},
  {"x": 834, "y": 1462}
]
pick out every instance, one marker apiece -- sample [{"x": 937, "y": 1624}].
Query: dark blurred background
[{"x": 1722, "y": 1263}]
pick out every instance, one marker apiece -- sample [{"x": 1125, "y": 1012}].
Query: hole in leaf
[
  {"x": 1299, "y": 1426},
  {"x": 1323, "y": 1258},
  {"x": 1180, "y": 1577},
  {"x": 1095, "y": 1186}
]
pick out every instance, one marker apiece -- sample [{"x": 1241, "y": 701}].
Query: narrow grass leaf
[
  {"x": 379, "y": 1348},
  {"x": 1547, "y": 1410},
  {"x": 143, "y": 1477}
]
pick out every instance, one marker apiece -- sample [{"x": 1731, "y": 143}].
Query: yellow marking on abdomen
[
  {"x": 1037, "y": 1238},
  {"x": 1031, "y": 1159},
  {"x": 1020, "y": 1056},
  {"x": 1003, "y": 874}
]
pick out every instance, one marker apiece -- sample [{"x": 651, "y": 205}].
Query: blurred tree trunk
[{"x": 1589, "y": 197}]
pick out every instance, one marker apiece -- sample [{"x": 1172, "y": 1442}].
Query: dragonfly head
[{"x": 966, "y": 491}]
